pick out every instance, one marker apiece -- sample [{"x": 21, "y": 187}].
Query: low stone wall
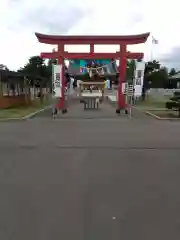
[
  {"x": 13, "y": 101},
  {"x": 162, "y": 91}
]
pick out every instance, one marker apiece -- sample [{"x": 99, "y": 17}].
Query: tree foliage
[
  {"x": 172, "y": 72},
  {"x": 3, "y": 67},
  {"x": 35, "y": 66},
  {"x": 130, "y": 71},
  {"x": 155, "y": 75}
]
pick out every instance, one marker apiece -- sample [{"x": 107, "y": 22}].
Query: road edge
[
  {"x": 161, "y": 118},
  {"x": 27, "y": 116}
]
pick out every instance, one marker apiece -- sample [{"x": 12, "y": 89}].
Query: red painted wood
[
  {"x": 128, "y": 39},
  {"x": 122, "y": 77},
  {"x": 123, "y": 41},
  {"x": 61, "y": 103},
  {"x": 66, "y": 55},
  {"x": 91, "y": 48},
  {"x": 134, "y": 55},
  {"x": 49, "y": 55}
]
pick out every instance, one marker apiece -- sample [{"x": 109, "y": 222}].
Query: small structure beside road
[{"x": 18, "y": 89}]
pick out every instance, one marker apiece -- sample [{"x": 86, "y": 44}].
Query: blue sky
[{"x": 19, "y": 19}]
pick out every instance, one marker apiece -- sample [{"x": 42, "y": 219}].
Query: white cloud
[{"x": 19, "y": 19}]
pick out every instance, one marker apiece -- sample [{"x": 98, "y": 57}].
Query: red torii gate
[{"x": 123, "y": 55}]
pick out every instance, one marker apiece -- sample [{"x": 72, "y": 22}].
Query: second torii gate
[{"x": 122, "y": 55}]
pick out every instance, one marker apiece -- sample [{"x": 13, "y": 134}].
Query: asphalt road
[{"x": 90, "y": 179}]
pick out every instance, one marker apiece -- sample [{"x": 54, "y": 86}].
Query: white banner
[
  {"x": 139, "y": 78},
  {"x": 56, "y": 80}
]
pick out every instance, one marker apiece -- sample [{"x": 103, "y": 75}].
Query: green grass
[
  {"x": 152, "y": 103},
  {"x": 19, "y": 112}
]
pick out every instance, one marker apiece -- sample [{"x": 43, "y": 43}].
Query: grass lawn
[
  {"x": 18, "y": 112},
  {"x": 152, "y": 103}
]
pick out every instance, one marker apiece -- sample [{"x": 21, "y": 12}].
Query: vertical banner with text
[
  {"x": 57, "y": 81},
  {"x": 139, "y": 78}
]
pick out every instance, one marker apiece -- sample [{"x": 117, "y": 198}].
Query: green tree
[
  {"x": 3, "y": 67},
  {"x": 130, "y": 71},
  {"x": 159, "y": 78},
  {"x": 151, "y": 68},
  {"x": 35, "y": 66},
  {"x": 172, "y": 72},
  {"x": 51, "y": 62}
]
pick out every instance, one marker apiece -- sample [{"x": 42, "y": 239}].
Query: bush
[
  {"x": 177, "y": 94},
  {"x": 172, "y": 104},
  {"x": 175, "y": 98}
]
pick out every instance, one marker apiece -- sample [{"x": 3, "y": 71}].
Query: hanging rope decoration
[
  {"x": 100, "y": 70},
  {"x": 92, "y": 70},
  {"x": 97, "y": 70}
]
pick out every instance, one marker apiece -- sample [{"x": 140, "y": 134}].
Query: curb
[
  {"x": 150, "y": 109},
  {"x": 11, "y": 119},
  {"x": 36, "y": 112},
  {"x": 113, "y": 103},
  {"x": 161, "y": 118},
  {"x": 27, "y": 116}
]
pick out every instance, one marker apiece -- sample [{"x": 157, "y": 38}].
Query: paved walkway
[
  {"x": 90, "y": 179},
  {"x": 107, "y": 110},
  {"x": 76, "y": 110}
]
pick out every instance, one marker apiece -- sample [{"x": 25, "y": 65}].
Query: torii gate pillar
[
  {"x": 123, "y": 55},
  {"x": 122, "y": 78},
  {"x": 61, "y": 103}
]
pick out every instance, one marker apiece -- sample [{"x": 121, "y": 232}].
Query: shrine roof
[{"x": 89, "y": 39}]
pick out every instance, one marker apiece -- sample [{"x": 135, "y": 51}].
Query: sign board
[
  {"x": 56, "y": 80},
  {"x": 139, "y": 78},
  {"x": 124, "y": 87},
  {"x": 129, "y": 90}
]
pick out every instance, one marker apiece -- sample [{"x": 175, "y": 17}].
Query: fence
[{"x": 161, "y": 93}]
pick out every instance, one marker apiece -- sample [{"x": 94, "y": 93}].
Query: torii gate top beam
[{"x": 62, "y": 39}]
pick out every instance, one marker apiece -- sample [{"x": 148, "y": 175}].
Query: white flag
[{"x": 154, "y": 41}]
